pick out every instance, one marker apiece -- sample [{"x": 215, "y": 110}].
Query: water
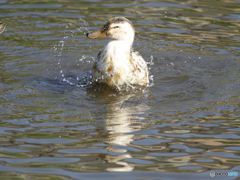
[{"x": 186, "y": 122}]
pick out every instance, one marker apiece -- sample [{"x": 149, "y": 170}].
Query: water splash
[
  {"x": 58, "y": 52},
  {"x": 84, "y": 79},
  {"x": 69, "y": 34},
  {"x": 86, "y": 59},
  {"x": 150, "y": 63},
  {"x": 84, "y": 26}
]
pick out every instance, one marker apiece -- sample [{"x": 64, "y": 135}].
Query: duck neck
[
  {"x": 122, "y": 48},
  {"x": 118, "y": 51},
  {"x": 127, "y": 39}
]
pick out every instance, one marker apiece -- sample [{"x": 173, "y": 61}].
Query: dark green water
[{"x": 186, "y": 124}]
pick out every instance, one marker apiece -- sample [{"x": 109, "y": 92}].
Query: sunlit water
[{"x": 188, "y": 121}]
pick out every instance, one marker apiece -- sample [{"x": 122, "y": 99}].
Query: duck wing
[{"x": 140, "y": 69}]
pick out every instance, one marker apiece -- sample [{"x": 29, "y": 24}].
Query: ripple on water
[
  {"x": 42, "y": 160},
  {"x": 46, "y": 141},
  {"x": 53, "y": 126}
]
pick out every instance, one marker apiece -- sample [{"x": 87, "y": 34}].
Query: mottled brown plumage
[{"x": 117, "y": 64}]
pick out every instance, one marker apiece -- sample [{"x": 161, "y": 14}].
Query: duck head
[{"x": 117, "y": 28}]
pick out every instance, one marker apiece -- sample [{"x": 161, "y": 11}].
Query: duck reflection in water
[{"x": 123, "y": 118}]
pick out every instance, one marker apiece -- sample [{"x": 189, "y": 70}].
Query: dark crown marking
[{"x": 115, "y": 20}]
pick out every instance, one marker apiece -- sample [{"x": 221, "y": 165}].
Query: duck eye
[{"x": 115, "y": 27}]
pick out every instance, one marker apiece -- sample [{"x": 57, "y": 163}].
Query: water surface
[{"x": 186, "y": 122}]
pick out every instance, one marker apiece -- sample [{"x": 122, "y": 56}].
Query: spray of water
[
  {"x": 82, "y": 27},
  {"x": 150, "y": 63},
  {"x": 84, "y": 79}
]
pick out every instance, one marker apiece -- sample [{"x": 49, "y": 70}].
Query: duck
[
  {"x": 117, "y": 64},
  {"x": 2, "y": 27}
]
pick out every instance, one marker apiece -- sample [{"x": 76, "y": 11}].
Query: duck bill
[{"x": 97, "y": 35}]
